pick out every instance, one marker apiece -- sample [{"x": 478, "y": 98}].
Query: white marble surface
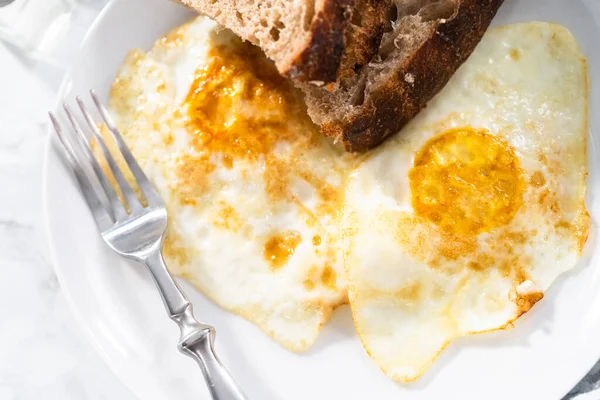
[{"x": 43, "y": 354}]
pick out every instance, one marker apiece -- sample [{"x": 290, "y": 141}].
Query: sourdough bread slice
[
  {"x": 425, "y": 43},
  {"x": 309, "y": 40}
]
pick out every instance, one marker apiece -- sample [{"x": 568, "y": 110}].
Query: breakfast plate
[{"x": 546, "y": 353}]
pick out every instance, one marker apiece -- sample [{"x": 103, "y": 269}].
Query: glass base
[{"x": 48, "y": 30}]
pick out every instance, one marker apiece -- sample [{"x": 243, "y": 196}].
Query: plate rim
[{"x": 52, "y": 248}]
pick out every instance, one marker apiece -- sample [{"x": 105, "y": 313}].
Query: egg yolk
[
  {"x": 466, "y": 181},
  {"x": 239, "y": 105}
]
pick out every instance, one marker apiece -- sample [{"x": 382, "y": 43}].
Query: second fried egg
[{"x": 460, "y": 223}]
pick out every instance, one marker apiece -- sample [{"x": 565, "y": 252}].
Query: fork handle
[
  {"x": 175, "y": 301},
  {"x": 199, "y": 346},
  {"x": 196, "y": 339}
]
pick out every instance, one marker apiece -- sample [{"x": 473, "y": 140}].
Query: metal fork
[{"x": 136, "y": 230}]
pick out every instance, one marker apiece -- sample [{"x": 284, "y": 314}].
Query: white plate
[{"x": 550, "y": 349}]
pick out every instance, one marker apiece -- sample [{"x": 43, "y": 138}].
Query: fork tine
[
  {"x": 117, "y": 211},
  {"x": 145, "y": 185},
  {"x": 126, "y": 190},
  {"x": 101, "y": 214}
]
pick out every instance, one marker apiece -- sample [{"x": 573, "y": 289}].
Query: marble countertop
[{"x": 43, "y": 355}]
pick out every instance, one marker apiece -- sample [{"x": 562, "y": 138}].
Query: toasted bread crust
[
  {"x": 319, "y": 59},
  {"x": 398, "y": 100},
  {"x": 367, "y": 21},
  {"x": 337, "y": 45},
  {"x": 331, "y": 38}
]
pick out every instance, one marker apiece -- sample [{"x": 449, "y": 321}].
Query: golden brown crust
[
  {"x": 334, "y": 40},
  {"x": 345, "y": 34},
  {"x": 398, "y": 100},
  {"x": 367, "y": 21},
  {"x": 320, "y": 59}
]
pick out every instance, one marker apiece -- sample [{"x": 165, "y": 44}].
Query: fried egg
[
  {"x": 253, "y": 191},
  {"x": 460, "y": 223}
]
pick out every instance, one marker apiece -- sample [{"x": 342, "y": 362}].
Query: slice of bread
[
  {"x": 366, "y": 66},
  {"x": 424, "y": 45},
  {"x": 309, "y": 40}
]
